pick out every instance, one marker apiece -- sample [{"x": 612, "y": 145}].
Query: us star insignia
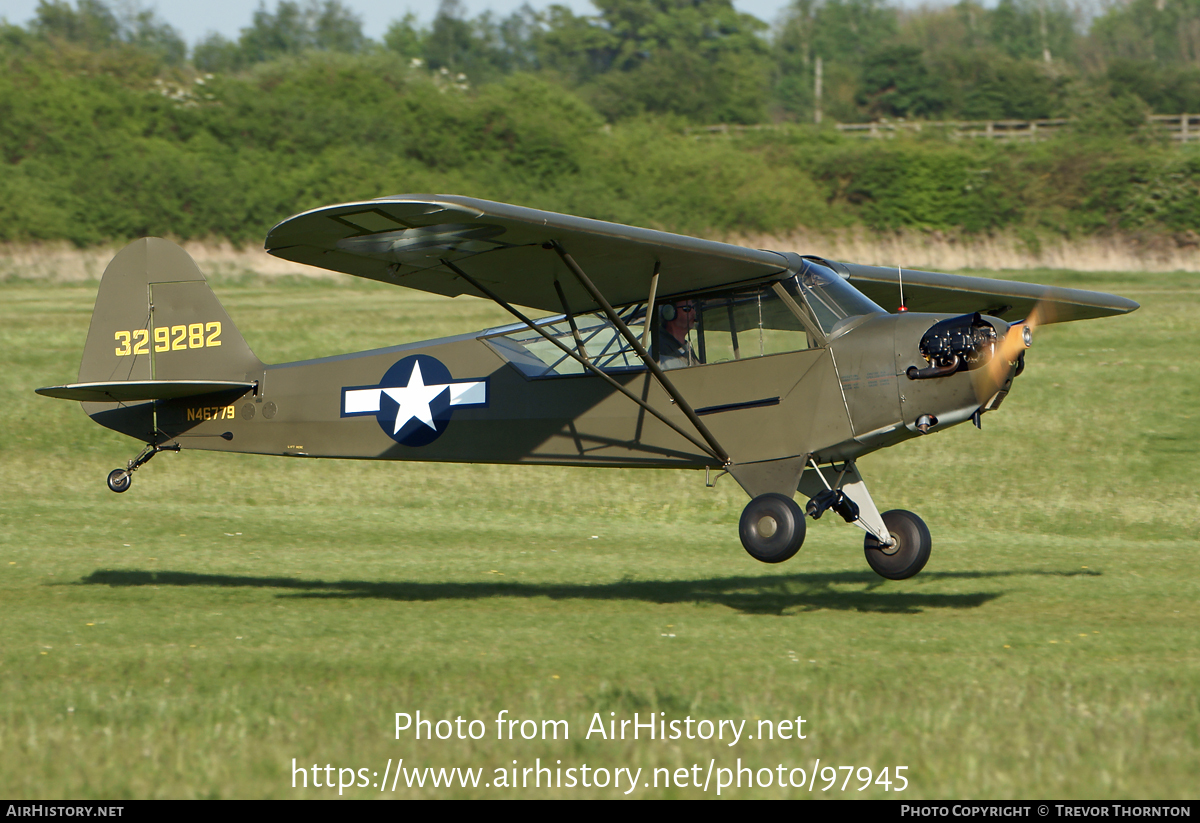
[{"x": 414, "y": 400}]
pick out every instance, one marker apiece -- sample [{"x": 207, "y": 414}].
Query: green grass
[{"x": 230, "y": 613}]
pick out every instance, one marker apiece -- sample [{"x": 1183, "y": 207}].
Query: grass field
[{"x": 231, "y": 613}]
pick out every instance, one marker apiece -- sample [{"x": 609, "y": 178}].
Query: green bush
[{"x": 92, "y": 156}]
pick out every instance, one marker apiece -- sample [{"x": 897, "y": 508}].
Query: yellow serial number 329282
[{"x": 168, "y": 338}]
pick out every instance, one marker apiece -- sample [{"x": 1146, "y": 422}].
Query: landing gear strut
[
  {"x": 119, "y": 480},
  {"x": 897, "y": 544}
]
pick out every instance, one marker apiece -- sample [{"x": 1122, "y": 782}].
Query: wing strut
[
  {"x": 650, "y": 305},
  {"x": 571, "y": 319},
  {"x": 651, "y": 364},
  {"x": 582, "y": 361}
]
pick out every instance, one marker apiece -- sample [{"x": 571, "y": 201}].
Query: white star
[{"x": 414, "y": 399}]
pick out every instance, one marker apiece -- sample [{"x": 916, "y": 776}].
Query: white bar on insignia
[
  {"x": 361, "y": 401},
  {"x": 466, "y": 394}
]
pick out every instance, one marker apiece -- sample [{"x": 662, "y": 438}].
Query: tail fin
[{"x": 157, "y": 319}]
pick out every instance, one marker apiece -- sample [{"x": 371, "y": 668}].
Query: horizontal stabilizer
[{"x": 128, "y": 391}]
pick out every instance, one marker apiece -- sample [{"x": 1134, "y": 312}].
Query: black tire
[
  {"x": 119, "y": 480},
  {"x": 772, "y": 528},
  {"x": 911, "y": 552}
]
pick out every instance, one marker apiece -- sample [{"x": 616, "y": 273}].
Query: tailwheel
[
  {"x": 772, "y": 528},
  {"x": 909, "y": 551},
  {"x": 119, "y": 480}
]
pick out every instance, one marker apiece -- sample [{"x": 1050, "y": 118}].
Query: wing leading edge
[
  {"x": 403, "y": 240},
  {"x": 926, "y": 291}
]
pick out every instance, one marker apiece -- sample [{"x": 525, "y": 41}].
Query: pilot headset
[{"x": 667, "y": 312}]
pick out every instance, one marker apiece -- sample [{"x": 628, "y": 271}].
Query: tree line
[
  {"x": 705, "y": 62},
  {"x": 110, "y": 129}
]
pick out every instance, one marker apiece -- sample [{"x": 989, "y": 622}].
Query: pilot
[{"x": 674, "y": 346}]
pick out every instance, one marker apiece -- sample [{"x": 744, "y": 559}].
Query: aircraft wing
[
  {"x": 926, "y": 291},
  {"x": 404, "y": 239}
]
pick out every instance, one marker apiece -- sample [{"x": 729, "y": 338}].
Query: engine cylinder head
[{"x": 969, "y": 338}]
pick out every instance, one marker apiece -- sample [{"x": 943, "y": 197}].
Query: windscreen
[{"x": 832, "y": 300}]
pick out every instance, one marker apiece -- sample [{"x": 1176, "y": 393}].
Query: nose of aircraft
[
  {"x": 953, "y": 369},
  {"x": 925, "y": 372}
]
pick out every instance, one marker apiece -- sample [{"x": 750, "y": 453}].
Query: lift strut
[
  {"x": 586, "y": 363},
  {"x": 650, "y": 363}
]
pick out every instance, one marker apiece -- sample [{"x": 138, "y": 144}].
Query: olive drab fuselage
[{"x": 837, "y": 402}]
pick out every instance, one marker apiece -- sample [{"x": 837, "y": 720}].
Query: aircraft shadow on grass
[{"x": 767, "y": 595}]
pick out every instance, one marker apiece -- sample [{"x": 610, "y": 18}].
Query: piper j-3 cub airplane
[{"x": 663, "y": 352}]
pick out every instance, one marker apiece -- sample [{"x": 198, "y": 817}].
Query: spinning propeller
[{"x": 1009, "y": 350}]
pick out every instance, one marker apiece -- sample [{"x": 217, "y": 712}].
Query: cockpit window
[
  {"x": 798, "y": 313},
  {"x": 731, "y": 325},
  {"x": 833, "y": 301},
  {"x": 684, "y": 331},
  {"x": 602, "y": 344}
]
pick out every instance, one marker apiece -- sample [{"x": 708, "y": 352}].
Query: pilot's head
[{"x": 678, "y": 318}]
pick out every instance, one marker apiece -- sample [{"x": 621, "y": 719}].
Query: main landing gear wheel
[
  {"x": 119, "y": 480},
  {"x": 910, "y": 552},
  {"x": 772, "y": 528}
]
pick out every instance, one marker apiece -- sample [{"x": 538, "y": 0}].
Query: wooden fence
[
  {"x": 1182, "y": 128},
  {"x": 987, "y": 129}
]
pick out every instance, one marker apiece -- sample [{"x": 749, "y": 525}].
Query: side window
[
  {"x": 599, "y": 341},
  {"x": 728, "y": 326}
]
